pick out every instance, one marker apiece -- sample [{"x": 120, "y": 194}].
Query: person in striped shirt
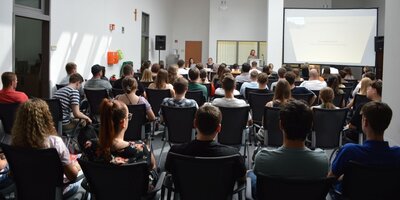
[{"x": 70, "y": 98}]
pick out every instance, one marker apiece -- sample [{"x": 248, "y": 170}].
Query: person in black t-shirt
[
  {"x": 127, "y": 70},
  {"x": 290, "y": 77},
  {"x": 208, "y": 124}
]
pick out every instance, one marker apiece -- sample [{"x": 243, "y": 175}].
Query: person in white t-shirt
[{"x": 313, "y": 82}]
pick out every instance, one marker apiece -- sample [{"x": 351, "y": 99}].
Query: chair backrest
[
  {"x": 238, "y": 85},
  {"x": 274, "y": 136},
  {"x": 347, "y": 93},
  {"x": 297, "y": 83},
  {"x": 38, "y": 173},
  {"x": 316, "y": 102},
  {"x": 270, "y": 81},
  {"x": 95, "y": 97},
  {"x": 146, "y": 84},
  {"x": 371, "y": 182},
  {"x": 360, "y": 99},
  {"x": 338, "y": 100},
  {"x": 59, "y": 86},
  {"x": 179, "y": 123},
  {"x": 155, "y": 98},
  {"x": 116, "y": 92},
  {"x": 197, "y": 96},
  {"x": 272, "y": 187},
  {"x": 136, "y": 128},
  {"x": 257, "y": 103},
  {"x": 221, "y": 96},
  {"x": 255, "y": 90},
  {"x": 233, "y": 123},
  {"x": 199, "y": 178},
  {"x": 7, "y": 115},
  {"x": 208, "y": 86},
  {"x": 303, "y": 97},
  {"x": 109, "y": 181},
  {"x": 328, "y": 125},
  {"x": 56, "y": 112}
]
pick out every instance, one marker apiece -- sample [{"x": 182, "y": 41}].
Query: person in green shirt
[{"x": 194, "y": 81}]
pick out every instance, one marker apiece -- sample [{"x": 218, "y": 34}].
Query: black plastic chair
[
  {"x": 38, "y": 173},
  {"x": 59, "y": 86},
  {"x": 338, "y": 100},
  {"x": 222, "y": 96},
  {"x": 208, "y": 86},
  {"x": 238, "y": 85},
  {"x": 56, "y": 112},
  {"x": 328, "y": 126},
  {"x": 115, "y": 92},
  {"x": 358, "y": 100},
  {"x": 257, "y": 103},
  {"x": 347, "y": 93},
  {"x": 316, "y": 102},
  {"x": 273, "y": 135},
  {"x": 255, "y": 90},
  {"x": 371, "y": 182},
  {"x": 95, "y": 97},
  {"x": 146, "y": 84},
  {"x": 179, "y": 125},
  {"x": 297, "y": 83},
  {"x": 136, "y": 126},
  {"x": 234, "y": 125},
  {"x": 7, "y": 117},
  {"x": 129, "y": 181},
  {"x": 284, "y": 188},
  {"x": 155, "y": 98},
  {"x": 199, "y": 178},
  {"x": 303, "y": 97},
  {"x": 197, "y": 96}
]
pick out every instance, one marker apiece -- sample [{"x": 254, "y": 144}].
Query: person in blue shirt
[{"x": 376, "y": 117}]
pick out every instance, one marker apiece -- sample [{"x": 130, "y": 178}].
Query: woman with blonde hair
[
  {"x": 147, "y": 76},
  {"x": 326, "y": 95},
  {"x": 282, "y": 94},
  {"x": 129, "y": 85},
  {"x": 365, "y": 83},
  {"x": 161, "y": 82},
  {"x": 34, "y": 128}
]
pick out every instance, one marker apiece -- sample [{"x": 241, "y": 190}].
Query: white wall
[
  {"x": 6, "y": 53},
  {"x": 308, "y": 3},
  {"x": 190, "y": 22},
  {"x": 243, "y": 20},
  {"x": 275, "y": 32},
  {"x": 84, "y": 36},
  {"x": 391, "y": 69}
]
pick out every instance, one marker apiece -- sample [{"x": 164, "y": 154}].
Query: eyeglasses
[{"x": 130, "y": 116}]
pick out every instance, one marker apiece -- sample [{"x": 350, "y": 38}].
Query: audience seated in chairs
[
  {"x": 146, "y": 78},
  {"x": 228, "y": 86},
  {"x": 291, "y": 77},
  {"x": 70, "y": 99},
  {"x": 364, "y": 84},
  {"x": 374, "y": 93},
  {"x": 369, "y": 75},
  {"x": 376, "y": 117},
  {"x": 282, "y": 94},
  {"x": 9, "y": 94},
  {"x": 293, "y": 159},
  {"x": 207, "y": 123},
  {"x": 97, "y": 82},
  {"x": 195, "y": 82},
  {"x": 326, "y": 96},
  {"x": 127, "y": 71},
  {"x": 161, "y": 82},
  {"x": 221, "y": 90},
  {"x": 129, "y": 84},
  {"x": 252, "y": 84},
  {"x": 111, "y": 147},
  {"x": 34, "y": 128}
]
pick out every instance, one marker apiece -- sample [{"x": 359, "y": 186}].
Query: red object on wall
[{"x": 112, "y": 57}]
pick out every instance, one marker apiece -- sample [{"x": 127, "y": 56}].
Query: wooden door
[{"x": 193, "y": 50}]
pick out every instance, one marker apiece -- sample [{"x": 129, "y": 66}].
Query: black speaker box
[
  {"x": 379, "y": 41},
  {"x": 160, "y": 42}
]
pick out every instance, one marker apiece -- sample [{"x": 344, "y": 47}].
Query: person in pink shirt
[{"x": 8, "y": 94}]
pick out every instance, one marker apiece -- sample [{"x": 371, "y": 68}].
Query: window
[{"x": 231, "y": 52}]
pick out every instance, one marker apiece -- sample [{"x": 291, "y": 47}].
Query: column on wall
[{"x": 275, "y": 32}]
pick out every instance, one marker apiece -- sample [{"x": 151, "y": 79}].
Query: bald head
[{"x": 313, "y": 74}]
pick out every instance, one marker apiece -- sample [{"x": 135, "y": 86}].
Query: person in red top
[{"x": 8, "y": 94}]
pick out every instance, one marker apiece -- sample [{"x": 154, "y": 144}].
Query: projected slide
[{"x": 340, "y": 37}]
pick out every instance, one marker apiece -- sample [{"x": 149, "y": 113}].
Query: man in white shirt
[
  {"x": 313, "y": 82},
  {"x": 182, "y": 70}
]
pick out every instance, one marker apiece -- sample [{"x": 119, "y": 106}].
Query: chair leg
[{"x": 159, "y": 157}]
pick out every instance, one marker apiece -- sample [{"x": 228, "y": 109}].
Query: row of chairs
[{"x": 191, "y": 177}]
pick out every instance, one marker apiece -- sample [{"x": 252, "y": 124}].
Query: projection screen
[{"x": 330, "y": 36}]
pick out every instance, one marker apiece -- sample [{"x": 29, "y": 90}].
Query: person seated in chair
[
  {"x": 208, "y": 124},
  {"x": 293, "y": 159},
  {"x": 194, "y": 85},
  {"x": 376, "y": 117},
  {"x": 69, "y": 99},
  {"x": 70, "y": 68},
  {"x": 96, "y": 82},
  {"x": 252, "y": 84},
  {"x": 180, "y": 88},
  {"x": 291, "y": 77},
  {"x": 9, "y": 94},
  {"x": 34, "y": 128},
  {"x": 127, "y": 70}
]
